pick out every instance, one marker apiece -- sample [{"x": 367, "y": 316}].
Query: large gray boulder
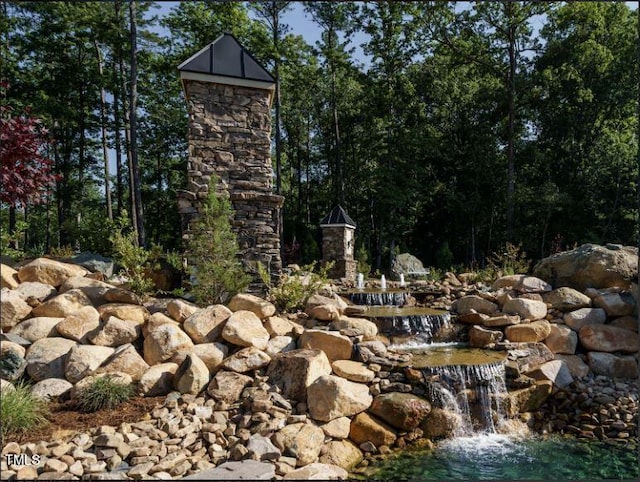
[
  {"x": 406, "y": 264},
  {"x": 591, "y": 266}
]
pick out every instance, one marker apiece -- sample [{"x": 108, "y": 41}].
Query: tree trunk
[
  {"x": 133, "y": 93},
  {"x": 105, "y": 147},
  {"x": 117, "y": 75},
  {"x": 511, "y": 93}
]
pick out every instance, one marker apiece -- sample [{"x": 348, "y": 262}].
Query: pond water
[{"x": 500, "y": 457}]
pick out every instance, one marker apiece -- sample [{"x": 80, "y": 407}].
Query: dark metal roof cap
[
  {"x": 226, "y": 57},
  {"x": 337, "y": 216}
]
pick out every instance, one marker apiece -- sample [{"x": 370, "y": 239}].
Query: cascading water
[{"x": 379, "y": 298}]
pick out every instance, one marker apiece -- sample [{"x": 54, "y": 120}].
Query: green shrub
[
  {"x": 293, "y": 290},
  {"x": 362, "y": 259},
  {"x": 213, "y": 252},
  {"x": 104, "y": 392},
  {"x": 444, "y": 256},
  {"x": 21, "y": 411},
  {"x": 509, "y": 260}
]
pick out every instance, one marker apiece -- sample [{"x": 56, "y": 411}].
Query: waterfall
[
  {"x": 379, "y": 298},
  {"x": 472, "y": 391},
  {"x": 426, "y": 326}
]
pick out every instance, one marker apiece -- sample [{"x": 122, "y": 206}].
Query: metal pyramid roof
[
  {"x": 337, "y": 216},
  {"x": 227, "y": 58}
]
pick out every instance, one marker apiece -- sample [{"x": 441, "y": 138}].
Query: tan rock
[
  {"x": 63, "y": 305},
  {"x": 244, "y": 328},
  {"x": 335, "y": 345},
  {"x": 46, "y": 358},
  {"x": 615, "y": 304},
  {"x": 119, "y": 295},
  {"x": 365, "y": 428},
  {"x": 337, "y": 428},
  {"x": 6, "y": 346},
  {"x": 342, "y": 453},
  {"x": 83, "y": 360},
  {"x": 81, "y": 325},
  {"x": 502, "y": 320},
  {"x": 528, "y": 332},
  {"x": 330, "y": 397},
  {"x": 294, "y": 371},
  {"x": 116, "y": 332},
  {"x": 608, "y": 338},
  {"x": 34, "y": 329},
  {"x": 180, "y": 310},
  {"x": 317, "y": 471},
  {"x": 212, "y": 354},
  {"x": 157, "y": 319},
  {"x": 441, "y": 423},
  {"x": 584, "y": 316},
  {"x": 6, "y": 386},
  {"x": 164, "y": 342},
  {"x": 13, "y": 309},
  {"x": 472, "y": 318},
  {"x": 124, "y": 311},
  {"x": 626, "y": 322},
  {"x": 51, "y": 389},
  {"x": 577, "y": 367},
  {"x": 480, "y": 337},
  {"x": 192, "y": 375},
  {"x": 8, "y": 277},
  {"x": 227, "y": 386},
  {"x": 353, "y": 370},
  {"x": 562, "y": 339},
  {"x": 244, "y": 301},
  {"x": 93, "y": 288},
  {"x": 362, "y": 326},
  {"x": 475, "y": 303},
  {"x": 247, "y": 359},
  {"x": 567, "y": 299},
  {"x": 526, "y": 308},
  {"x": 277, "y": 326},
  {"x": 302, "y": 441},
  {"x": 125, "y": 359},
  {"x": 35, "y": 293},
  {"x": 527, "y": 399},
  {"x": 556, "y": 371},
  {"x": 157, "y": 380},
  {"x": 508, "y": 281},
  {"x": 323, "y": 312},
  {"x": 205, "y": 326},
  {"x": 279, "y": 344},
  {"x": 50, "y": 272},
  {"x": 531, "y": 284},
  {"x": 403, "y": 411}
]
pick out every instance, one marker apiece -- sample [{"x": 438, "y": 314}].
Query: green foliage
[
  {"x": 362, "y": 260},
  {"x": 21, "y": 411},
  {"x": 10, "y": 239},
  {"x": 65, "y": 251},
  {"x": 213, "y": 250},
  {"x": 104, "y": 392},
  {"x": 444, "y": 256},
  {"x": 511, "y": 259},
  {"x": 293, "y": 290}
]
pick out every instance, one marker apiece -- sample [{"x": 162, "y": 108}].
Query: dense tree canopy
[{"x": 462, "y": 126}]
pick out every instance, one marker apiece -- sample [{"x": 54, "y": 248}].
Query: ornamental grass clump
[
  {"x": 20, "y": 410},
  {"x": 104, "y": 392}
]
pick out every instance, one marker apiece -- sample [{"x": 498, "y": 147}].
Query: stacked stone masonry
[
  {"x": 230, "y": 135},
  {"x": 337, "y": 246}
]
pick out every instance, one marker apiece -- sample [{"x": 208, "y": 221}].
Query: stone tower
[
  {"x": 229, "y": 100},
  {"x": 338, "y": 240}
]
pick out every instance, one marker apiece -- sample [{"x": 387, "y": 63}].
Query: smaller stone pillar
[{"x": 338, "y": 240}]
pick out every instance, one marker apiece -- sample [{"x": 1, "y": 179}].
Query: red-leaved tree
[{"x": 26, "y": 173}]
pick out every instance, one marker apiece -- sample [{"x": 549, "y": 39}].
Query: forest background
[{"x": 470, "y": 125}]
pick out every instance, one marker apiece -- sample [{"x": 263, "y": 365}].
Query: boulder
[
  {"x": 52, "y": 389},
  {"x": 527, "y": 399},
  {"x": 13, "y": 309},
  {"x": 353, "y": 370},
  {"x": 335, "y": 345},
  {"x": 164, "y": 342},
  {"x": 124, "y": 311},
  {"x": 407, "y": 264},
  {"x": 35, "y": 293},
  {"x": 63, "y": 305},
  {"x": 528, "y": 356},
  {"x": 613, "y": 366},
  {"x": 244, "y": 328},
  {"x": 245, "y": 360},
  {"x": 227, "y": 386},
  {"x": 480, "y": 337},
  {"x": 119, "y": 295},
  {"x": 330, "y": 397},
  {"x": 506, "y": 282},
  {"x": 180, "y": 310},
  {"x": 441, "y": 423},
  {"x": 125, "y": 359},
  {"x": 403, "y": 411},
  {"x": 556, "y": 371},
  {"x": 525, "y": 308},
  {"x": 501, "y": 320},
  {"x": 93, "y": 288},
  {"x": 302, "y": 441},
  {"x": 584, "y": 316},
  {"x": 238, "y": 470},
  {"x": 365, "y": 428},
  {"x": 157, "y": 380},
  {"x": 244, "y": 301},
  {"x": 576, "y": 366},
  {"x": 616, "y": 304},
  {"x": 323, "y": 308},
  {"x": 360, "y": 326},
  {"x": 94, "y": 263},
  {"x": 342, "y": 453},
  {"x": 261, "y": 448},
  {"x": 192, "y": 375},
  {"x": 50, "y": 272},
  {"x": 590, "y": 265},
  {"x": 474, "y": 303},
  {"x": 608, "y": 338},
  {"x": 8, "y": 277},
  {"x": 211, "y": 354},
  {"x": 116, "y": 332},
  {"x": 626, "y": 322},
  {"x": 33, "y": 329},
  {"x": 83, "y": 360},
  {"x": 567, "y": 299},
  {"x": 562, "y": 339},
  {"x": 47, "y": 358},
  {"x": 279, "y": 344},
  {"x": 155, "y": 320},
  {"x": 531, "y": 284},
  {"x": 295, "y": 370},
  {"x": 81, "y": 325},
  {"x": 528, "y": 332},
  {"x": 12, "y": 361},
  {"x": 277, "y": 326},
  {"x": 6, "y": 386},
  {"x": 7, "y": 345},
  {"x": 205, "y": 326},
  {"x": 317, "y": 471},
  {"x": 337, "y": 428}
]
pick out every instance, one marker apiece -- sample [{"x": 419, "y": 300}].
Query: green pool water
[{"x": 498, "y": 457}]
